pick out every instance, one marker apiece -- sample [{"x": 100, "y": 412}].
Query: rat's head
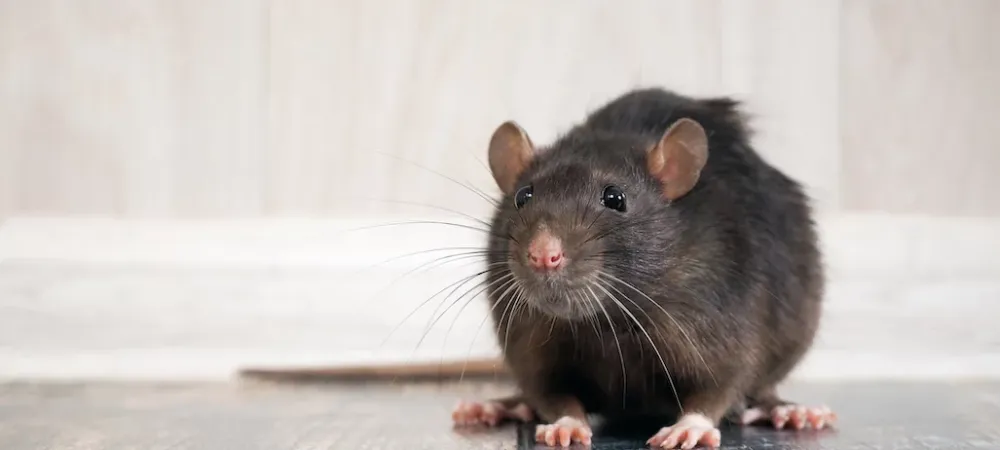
[{"x": 590, "y": 216}]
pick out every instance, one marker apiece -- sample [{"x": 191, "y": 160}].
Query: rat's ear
[
  {"x": 510, "y": 152},
  {"x": 678, "y": 158}
]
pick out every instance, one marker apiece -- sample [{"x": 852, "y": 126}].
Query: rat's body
[{"x": 650, "y": 262}]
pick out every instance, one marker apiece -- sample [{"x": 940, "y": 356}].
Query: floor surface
[{"x": 248, "y": 416}]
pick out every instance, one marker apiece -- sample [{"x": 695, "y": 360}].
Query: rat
[{"x": 649, "y": 261}]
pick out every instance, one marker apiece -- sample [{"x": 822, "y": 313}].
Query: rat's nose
[{"x": 545, "y": 252}]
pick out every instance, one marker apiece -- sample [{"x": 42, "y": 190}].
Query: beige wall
[
  {"x": 920, "y": 106},
  {"x": 233, "y": 108},
  {"x": 251, "y": 108}
]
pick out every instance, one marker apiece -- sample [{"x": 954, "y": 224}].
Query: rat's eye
[
  {"x": 613, "y": 198},
  {"x": 522, "y": 196}
]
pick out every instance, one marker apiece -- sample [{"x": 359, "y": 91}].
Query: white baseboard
[{"x": 909, "y": 297}]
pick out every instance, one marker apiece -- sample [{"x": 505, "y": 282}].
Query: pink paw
[
  {"x": 792, "y": 416},
  {"x": 488, "y": 413},
  {"x": 690, "y": 431},
  {"x": 564, "y": 432}
]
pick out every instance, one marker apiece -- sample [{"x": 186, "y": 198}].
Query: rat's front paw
[
  {"x": 564, "y": 432},
  {"x": 691, "y": 430}
]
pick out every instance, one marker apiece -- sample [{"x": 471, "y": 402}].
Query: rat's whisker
[
  {"x": 480, "y": 328},
  {"x": 572, "y": 329},
  {"x": 434, "y": 263},
  {"x": 488, "y": 268},
  {"x": 647, "y": 218},
  {"x": 596, "y": 321},
  {"x": 479, "y": 256},
  {"x": 472, "y": 189},
  {"x": 423, "y": 252},
  {"x": 522, "y": 307},
  {"x": 430, "y": 264},
  {"x": 506, "y": 327},
  {"x": 503, "y": 314},
  {"x": 442, "y": 260},
  {"x": 620, "y": 228},
  {"x": 591, "y": 314},
  {"x": 504, "y": 279},
  {"x": 552, "y": 326},
  {"x": 581, "y": 213},
  {"x": 482, "y": 164},
  {"x": 453, "y": 303},
  {"x": 430, "y": 206},
  {"x": 669, "y": 316},
  {"x": 457, "y": 283},
  {"x": 614, "y": 333},
  {"x": 424, "y": 222},
  {"x": 520, "y": 216},
  {"x": 518, "y": 299},
  {"x": 596, "y": 218},
  {"x": 656, "y": 349}
]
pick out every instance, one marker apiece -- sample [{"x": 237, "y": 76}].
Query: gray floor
[{"x": 266, "y": 416}]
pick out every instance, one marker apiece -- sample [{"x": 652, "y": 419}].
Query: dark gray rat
[{"x": 649, "y": 262}]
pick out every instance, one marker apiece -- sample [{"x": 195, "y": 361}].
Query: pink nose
[{"x": 545, "y": 252}]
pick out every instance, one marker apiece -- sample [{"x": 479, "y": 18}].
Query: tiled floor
[{"x": 265, "y": 416}]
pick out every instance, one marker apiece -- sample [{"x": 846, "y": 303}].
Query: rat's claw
[
  {"x": 691, "y": 430},
  {"x": 791, "y": 416},
  {"x": 475, "y": 413},
  {"x": 820, "y": 417},
  {"x": 489, "y": 413},
  {"x": 563, "y": 432}
]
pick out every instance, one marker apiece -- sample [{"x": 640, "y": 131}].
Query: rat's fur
[{"x": 730, "y": 274}]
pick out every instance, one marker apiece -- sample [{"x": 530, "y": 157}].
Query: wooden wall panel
[
  {"x": 149, "y": 108},
  {"x": 920, "y": 107},
  {"x": 230, "y": 108}
]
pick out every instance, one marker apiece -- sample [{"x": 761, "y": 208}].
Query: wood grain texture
[
  {"x": 429, "y": 83},
  {"x": 229, "y": 108},
  {"x": 920, "y": 106},
  {"x": 132, "y": 108}
]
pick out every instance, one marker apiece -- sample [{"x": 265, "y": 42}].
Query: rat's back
[{"x": 650, "y": 111}]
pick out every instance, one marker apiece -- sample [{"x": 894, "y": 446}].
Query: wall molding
[{"x": 909, "y": 297}]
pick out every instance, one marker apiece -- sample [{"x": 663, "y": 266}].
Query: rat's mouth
[
  {"x": 560, "y": 297},
  {"x": 567, "y": 305},
  {"x": 567, "y": 292}
]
